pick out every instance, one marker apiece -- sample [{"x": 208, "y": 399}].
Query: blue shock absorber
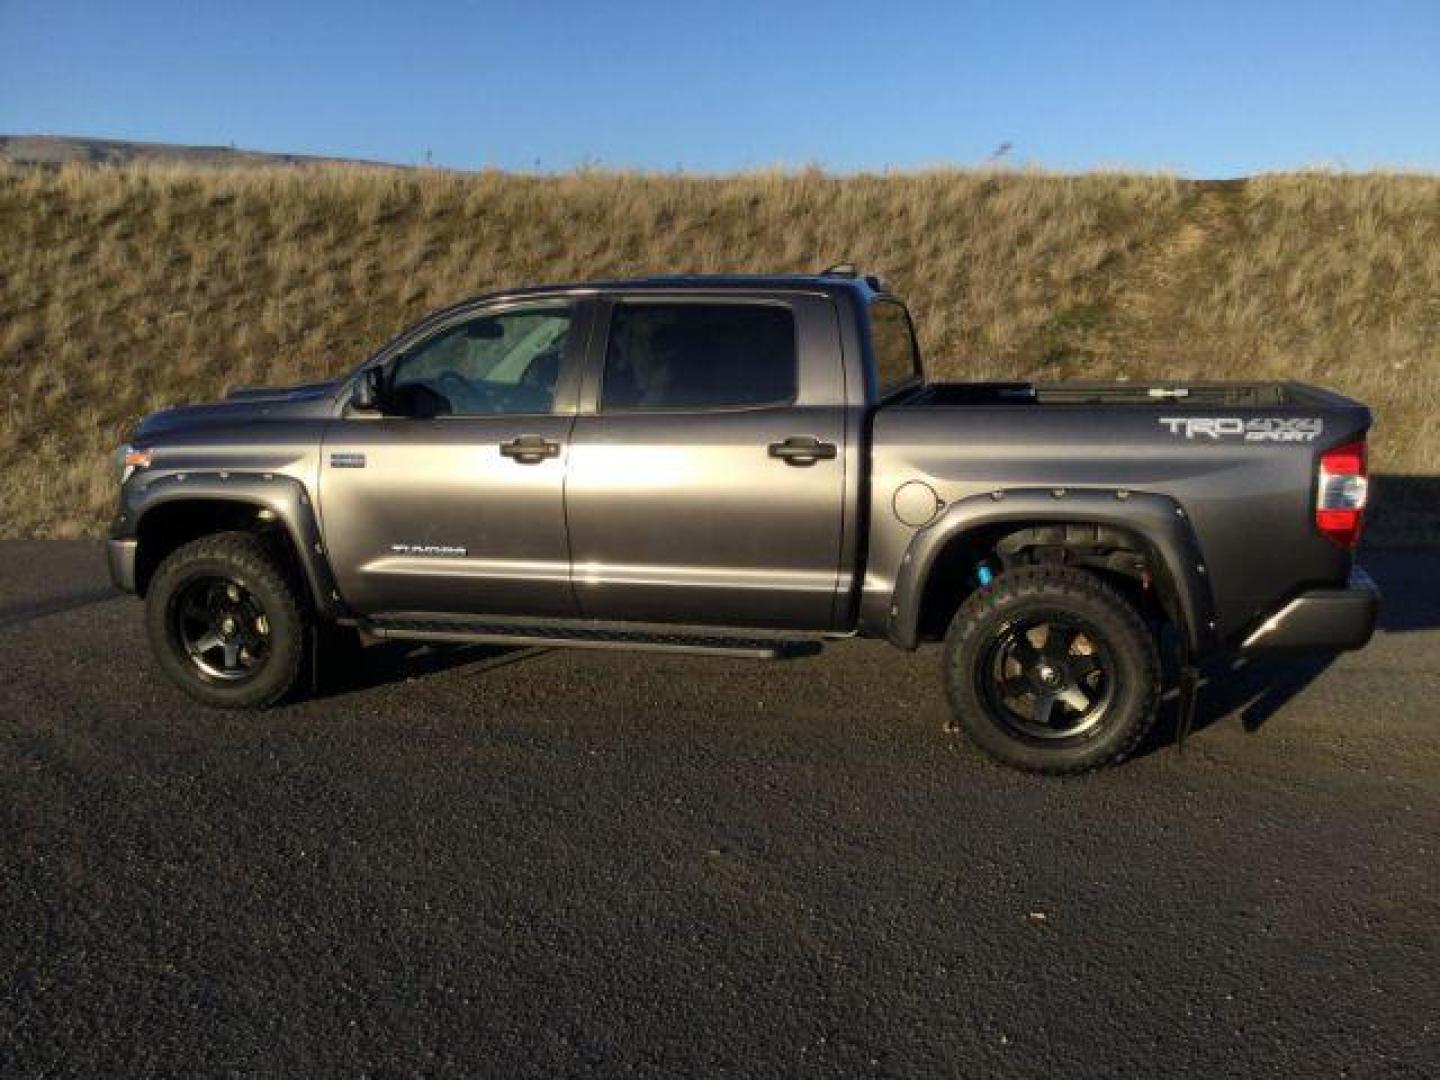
[{"x": 984, "y": 575}]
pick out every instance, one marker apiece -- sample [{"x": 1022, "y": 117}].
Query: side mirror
[{"x": 369, "y": 390}]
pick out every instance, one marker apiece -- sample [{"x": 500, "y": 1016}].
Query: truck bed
[
  {"x": 1168, "y": 394},
  {"x": 1239, "y": 458}
]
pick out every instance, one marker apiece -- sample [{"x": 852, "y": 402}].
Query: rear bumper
[
  {"x": 120, "y": 554},
  {"x": 1320, "y": 620}
]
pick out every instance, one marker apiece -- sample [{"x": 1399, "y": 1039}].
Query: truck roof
[
  {"x": 764, "y": 281},
  {"x": 830, "y": 281},
  {"x": 837, "y": 280}
]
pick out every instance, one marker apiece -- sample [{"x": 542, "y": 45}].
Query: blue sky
[{"x": 1215, "y": 88}]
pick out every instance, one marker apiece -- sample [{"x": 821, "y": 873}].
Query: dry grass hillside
[
  {"x": 124, "y": 290},
  {"x": 55, "y": 151}
]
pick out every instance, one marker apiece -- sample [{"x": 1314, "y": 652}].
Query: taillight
[{"x": 1340, "y": 501}]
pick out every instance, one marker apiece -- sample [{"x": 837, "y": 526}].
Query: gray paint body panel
[
  {"x": 1250, "y": 504},
  {"x": 683, "y": 516},
  {"x": 439, "y": 520}
]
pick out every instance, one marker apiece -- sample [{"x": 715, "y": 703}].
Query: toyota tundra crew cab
[{"x": 749, "y": 466}]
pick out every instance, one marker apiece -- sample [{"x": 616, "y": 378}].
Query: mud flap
[
  {"x": 314, "y": 650},
  {"x": 1189, "y": 691}
]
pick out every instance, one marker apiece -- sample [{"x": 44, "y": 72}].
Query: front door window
[{"x": 502, "y": 364}]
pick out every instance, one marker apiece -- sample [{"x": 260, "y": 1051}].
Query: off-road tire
[
  {"x": 246, "y": 560},
  {"x": 1026, "y": 597}
]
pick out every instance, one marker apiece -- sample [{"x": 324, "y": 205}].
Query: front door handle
[
  {"x": 530, "y": 449},
  {"x": 802, "y": 450}
]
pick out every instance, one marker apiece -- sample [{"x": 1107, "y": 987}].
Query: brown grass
[{"x": 124, "y": 290}]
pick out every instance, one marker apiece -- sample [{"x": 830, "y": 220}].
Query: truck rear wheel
[
  {"x": 1052, "y": 670},
  {"x": 224, "y": 622}
]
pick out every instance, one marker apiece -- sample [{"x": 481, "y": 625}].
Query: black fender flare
[
  {"x": 283, "y": 496},
  {"x": 1158, "y": 520}
]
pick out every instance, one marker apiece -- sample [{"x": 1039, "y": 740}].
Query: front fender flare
[
  {"x": 1158, "y": 520},
  {"x": 282, "y": 495}
]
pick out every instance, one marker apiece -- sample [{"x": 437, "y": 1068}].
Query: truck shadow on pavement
[
  {"x": 1404, "y": 511},
  {"x": 1259, "y": 687},
  {"x": 1409, "y": 580},
  {"x": 15, "y": 614},
  {"x": 1256, "y": 689},
  {"x": 388, "y": 662}
]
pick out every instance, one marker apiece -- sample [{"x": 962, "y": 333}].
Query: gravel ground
[{"x": 556, "y": 863}]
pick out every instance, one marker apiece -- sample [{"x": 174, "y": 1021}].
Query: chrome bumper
[{"x": 1321, "y": 620}]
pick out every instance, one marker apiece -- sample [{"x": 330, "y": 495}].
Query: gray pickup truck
[{"x": 749, "y": 466}]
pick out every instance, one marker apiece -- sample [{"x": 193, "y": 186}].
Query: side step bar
[{"x": 695, "y": 640}]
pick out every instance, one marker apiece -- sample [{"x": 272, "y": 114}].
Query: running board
[{"x": 702, "y": 641}]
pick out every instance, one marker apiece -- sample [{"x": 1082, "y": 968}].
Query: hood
[
  {"x": 306, "y": 400},
  {"x": 298, "y": 392}
]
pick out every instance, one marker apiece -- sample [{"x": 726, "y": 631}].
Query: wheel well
[
  {"x": 174, "y": 524},
  {"x": 1122, "y": 557}
]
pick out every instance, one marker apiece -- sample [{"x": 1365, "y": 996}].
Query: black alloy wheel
[
  {"x": 1051, "y": 669},
  {"x": 1048, "y": 677},
  {"x": 222, "y": 628}
]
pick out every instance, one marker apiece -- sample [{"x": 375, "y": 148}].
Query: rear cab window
[
  {"x": 698, "y": 356},
  {"x": 892, "y": 343}
]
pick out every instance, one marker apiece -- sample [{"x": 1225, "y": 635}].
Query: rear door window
[{"x": 699, "y": 356}]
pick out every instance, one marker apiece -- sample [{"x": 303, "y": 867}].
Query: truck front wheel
[
  {"x": 225, "y": 623},
  {"x": 1050, "y": 669}
]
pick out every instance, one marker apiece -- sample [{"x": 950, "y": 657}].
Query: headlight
[{"x": 127, "y": 459}]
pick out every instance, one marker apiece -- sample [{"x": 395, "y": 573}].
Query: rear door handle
[
  {"x": 530, "y": 449},
  {"x": 802, "y": 450}
]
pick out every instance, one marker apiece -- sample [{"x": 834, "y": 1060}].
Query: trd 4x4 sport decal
[{"x": 1301, "y": 429}]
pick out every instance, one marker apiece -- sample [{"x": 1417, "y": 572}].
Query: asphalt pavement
[{"x": 550, "y": 863}]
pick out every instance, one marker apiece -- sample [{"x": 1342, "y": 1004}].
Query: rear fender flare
[{"x": 1159, "y": 520}]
